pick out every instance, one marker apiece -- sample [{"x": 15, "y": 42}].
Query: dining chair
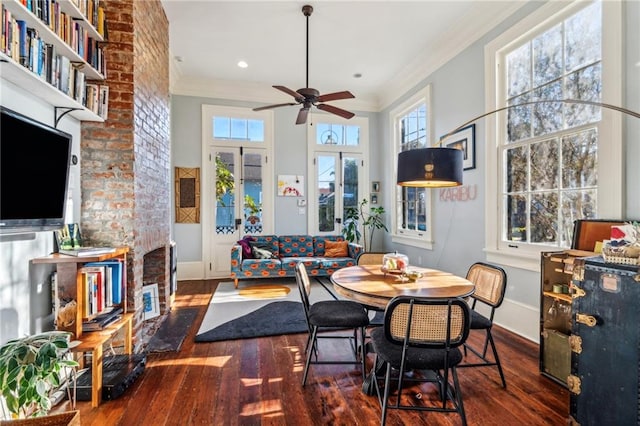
[
  {"x": 421, "y": 334},
  {"x": 370, "y": 258},
  {"x": 326, "y": 317},
  {"x": 490, "y": 285}
]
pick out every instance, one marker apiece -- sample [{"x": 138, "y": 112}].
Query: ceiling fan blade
[
  {"x": 302, "y": 115},
  {"x": 335, "y": 96},
  {"x": 298, "y": 97},
  {"x": 335, "y": 110},
  {"x": 274, "y": 106}
]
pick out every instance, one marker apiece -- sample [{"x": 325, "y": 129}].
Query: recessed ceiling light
[
  {"x": 357, "y": 75},
  {"x": 178, "y": 58},
  {"x": 243, "y": 64}
]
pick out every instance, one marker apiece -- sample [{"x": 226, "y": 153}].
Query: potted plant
[
  {"x": 30, "y": 368},
  {"x": 370, "y": 221}
]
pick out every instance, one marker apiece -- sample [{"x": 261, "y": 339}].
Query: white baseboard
[{"x": 519, "y": 318}]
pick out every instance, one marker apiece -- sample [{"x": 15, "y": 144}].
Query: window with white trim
[
  {"x": 549, "y": 158},
  {"x": 411, "y": 127}
]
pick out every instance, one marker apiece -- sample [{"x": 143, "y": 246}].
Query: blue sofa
[{"x": 288, "y": 251}]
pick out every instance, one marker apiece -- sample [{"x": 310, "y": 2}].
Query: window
[
  {"x": 548, "y": 160},
  {"x": 411, "y": 130}
]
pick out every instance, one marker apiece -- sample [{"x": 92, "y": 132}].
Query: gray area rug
[
  {"x": 171, "y": 334},
  {"x": 233, "y": 316}
]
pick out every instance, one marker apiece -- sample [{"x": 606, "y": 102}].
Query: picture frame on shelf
[
  {"x": 150, "y": 301},
  {"x": 464, "y": 140}
]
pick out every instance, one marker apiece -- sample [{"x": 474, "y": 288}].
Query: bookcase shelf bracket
[{"x": 65, "y": 111}]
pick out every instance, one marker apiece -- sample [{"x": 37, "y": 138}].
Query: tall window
[
  {"x": 548, "y": 153},
  {"x": 411, "y": 130},
  {"x": 339, "y": 180}
]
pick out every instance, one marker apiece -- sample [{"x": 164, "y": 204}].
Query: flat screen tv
[{"x": 34, "y": 174}]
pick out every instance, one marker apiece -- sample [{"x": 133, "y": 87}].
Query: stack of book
[{"x": 102, "y": 320}]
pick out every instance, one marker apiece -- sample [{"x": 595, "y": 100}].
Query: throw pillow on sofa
[
  {"x": 262, "y": 253},
  {"x": 336, "y": 248},
  {"x": 245, "y": 243}
]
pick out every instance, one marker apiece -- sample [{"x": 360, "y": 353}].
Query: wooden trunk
[{"x": 605, "y": 365}]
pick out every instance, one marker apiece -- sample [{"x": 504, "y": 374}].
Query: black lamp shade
[{"x": 430, "y": 167}]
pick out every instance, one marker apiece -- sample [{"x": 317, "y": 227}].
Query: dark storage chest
[{"x": 605, "y": 343}]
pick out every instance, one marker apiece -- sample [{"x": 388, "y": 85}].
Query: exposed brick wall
[{"x": 126, "y": 164}]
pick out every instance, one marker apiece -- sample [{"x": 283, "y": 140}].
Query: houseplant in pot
[
  {"x": 371, "y": 221},
  {"x": 30, "y": 368}
]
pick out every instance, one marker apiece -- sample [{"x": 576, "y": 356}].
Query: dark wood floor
[{"x": 257, "y": 382}]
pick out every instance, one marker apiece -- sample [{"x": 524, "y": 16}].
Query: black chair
[
  {"x": 491, "y": 284},
  {"x": 421, "y": 334},
  {"x": 330, "y": 316}
]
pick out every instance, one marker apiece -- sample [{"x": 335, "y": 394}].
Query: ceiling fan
[{"x": 308, "y": 96}]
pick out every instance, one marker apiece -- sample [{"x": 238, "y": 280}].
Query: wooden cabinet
[
  {"x": 555, "y": 312},
  {"x": 78, "y": 43},
  {"x": 70, "y": 285}
]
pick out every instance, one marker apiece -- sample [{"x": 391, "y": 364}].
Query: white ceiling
[{"x": 392, "y": 44}]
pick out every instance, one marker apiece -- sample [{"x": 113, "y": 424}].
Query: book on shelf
[
  {"x": 87, "y": 251},
  {"x": 113, "y": 272},
  {"x": 102, "y": 320}
]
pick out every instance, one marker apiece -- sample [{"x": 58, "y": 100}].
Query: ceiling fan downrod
[{"x": 307, "y": 10}]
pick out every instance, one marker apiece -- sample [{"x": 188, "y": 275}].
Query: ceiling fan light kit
[{"x": 307, "y": 96}]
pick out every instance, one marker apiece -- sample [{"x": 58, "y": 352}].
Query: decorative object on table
[
  {"x": 372, "y": 220},
  {"x": 150, "y": 301},
  {"x": 31, "y": 368},
  {"x": 464, "y": 140},
  {"x": 290, "y": 186},
  {"x": 624, "y": 245},
  {"x": 68, "y": 237},
  {"x": 394, "y": 263},
  {"x": 187, "y": 189}
]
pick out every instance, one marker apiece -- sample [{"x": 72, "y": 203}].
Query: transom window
[
  {"x": 337, "y": 134},
  {"x": 241, "y": 129}
]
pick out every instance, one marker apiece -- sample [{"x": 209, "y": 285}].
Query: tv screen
[{"x": 34, "y": 174}]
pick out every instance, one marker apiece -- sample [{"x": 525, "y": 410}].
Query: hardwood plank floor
[{"x": 257, "y": 382}]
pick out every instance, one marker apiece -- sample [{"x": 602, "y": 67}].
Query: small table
[{"x": 368, "y": 285}]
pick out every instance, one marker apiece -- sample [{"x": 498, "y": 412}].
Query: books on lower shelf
[{"x": 87, "y": 251}]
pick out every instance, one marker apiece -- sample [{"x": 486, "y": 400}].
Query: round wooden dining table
[{"x": 369, "y": 285}]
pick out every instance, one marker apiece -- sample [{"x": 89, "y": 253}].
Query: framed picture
[
  {"x": 465, "y": 140},
  {"x": 150, "y": 301},
  {"x": 375, "y": 186},
  {"x": 187, "y": 190},
  {"x": 374, "y": 198}
]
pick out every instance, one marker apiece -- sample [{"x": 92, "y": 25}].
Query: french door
[{"x": 241, "y": 203}]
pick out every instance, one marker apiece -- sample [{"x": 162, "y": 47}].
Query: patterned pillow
[{"x": 262, "y": 253}]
